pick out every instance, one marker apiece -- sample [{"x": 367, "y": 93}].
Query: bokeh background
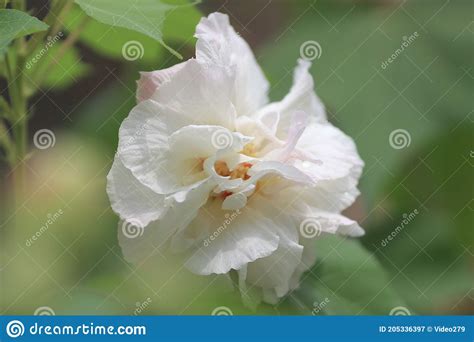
[{"x": 75, "y": 266}]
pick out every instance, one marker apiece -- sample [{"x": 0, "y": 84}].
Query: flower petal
[
  {"x": 168, "y": 161},
  {"x": 298, "y": 124},
  {"x": 276, "y": 270},
  {"x": 132, "y": 200},
  {"x": 329, "y": 153},
  {"x": 234, "y": 202},
  {"x": 143, "y": 140},
  {"x": 155, "y": 236},
  {"x": 261, "y": 169},
  {"x": 335, "y": 223},
  {"x": 248, "y": 237},
  {"x": 330, "y": 159},
  {"x": 308, "y": 259},
  {"x": 300, "y": 98},
  {"x": 201, "y": 93},
  {"x": 150, "y": 81},
  {"x": 219, "y": 44}
]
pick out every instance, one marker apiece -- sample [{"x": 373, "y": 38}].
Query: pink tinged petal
[
  {"x": 149, "y": 82},
  {"x": 298, "y": 124},
  {"x": 219, "y": 44}
]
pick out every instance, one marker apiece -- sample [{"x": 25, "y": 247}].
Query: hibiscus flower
[{"x": 208, "y": 168}]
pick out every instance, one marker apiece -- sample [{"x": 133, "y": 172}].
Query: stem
[
  {"x": 18, "y": 106},
  {"x": 60, "y": 18},
  {"x": 19, "y": 5},
  {"x": 68, "y": 42},
  {"x": 54, "y": 19},
  {"x": 5, "y": 142}
]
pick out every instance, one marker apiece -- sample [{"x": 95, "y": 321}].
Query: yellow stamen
[
  {"x": 241, "y": 171},
  {"x": 250, "y": 150},
  {"x": 221, "y": 168}
]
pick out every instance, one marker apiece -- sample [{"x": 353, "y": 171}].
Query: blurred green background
[{"x": 76, "y": 267}]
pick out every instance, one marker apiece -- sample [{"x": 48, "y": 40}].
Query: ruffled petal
[
  {"x": 326, "y": 153},
  {"x": 333, "y": 223},
  {"x": 263, "y": 169},
  {"x": 130, "y": 199},
  {"x": 276, "y": 271},
  {"x": 168, "y": 161},
  {"x": 308, "y": 259},
  {"x": 248, "y": 237},
  {"x": 143, "y": 140},
  {"x": 300, "y": 98},
  {"x": 202, "y": 93},
  {"x": 219, "y": 44},
  {"x": 182, "y": 209}
]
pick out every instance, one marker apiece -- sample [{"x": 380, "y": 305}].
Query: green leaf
[
  {"x": 144, "y": 16},
  {"x": 347, "y": 280},
  {"x": 14, "y": 24},
  {"x": 66, "y": 71},
  {"x": 111, "y": 40}
]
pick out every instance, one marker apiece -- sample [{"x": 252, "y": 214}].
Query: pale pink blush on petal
[{"x": 151, "y": 80}]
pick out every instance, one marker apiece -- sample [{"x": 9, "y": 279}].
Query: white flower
[{"x": 207, "y": 167}]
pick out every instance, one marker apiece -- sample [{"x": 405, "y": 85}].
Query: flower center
[
  {"x": 240, "y": 171},
  {"x": 250, "y": 150},
  {"x": 221, "y": 168}
]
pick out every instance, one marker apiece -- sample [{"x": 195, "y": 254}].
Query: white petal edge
[
  {"x": 219, "y": 44},
  {"x": 301, "y": 97},
  {"x": 130, "y": 199}
]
